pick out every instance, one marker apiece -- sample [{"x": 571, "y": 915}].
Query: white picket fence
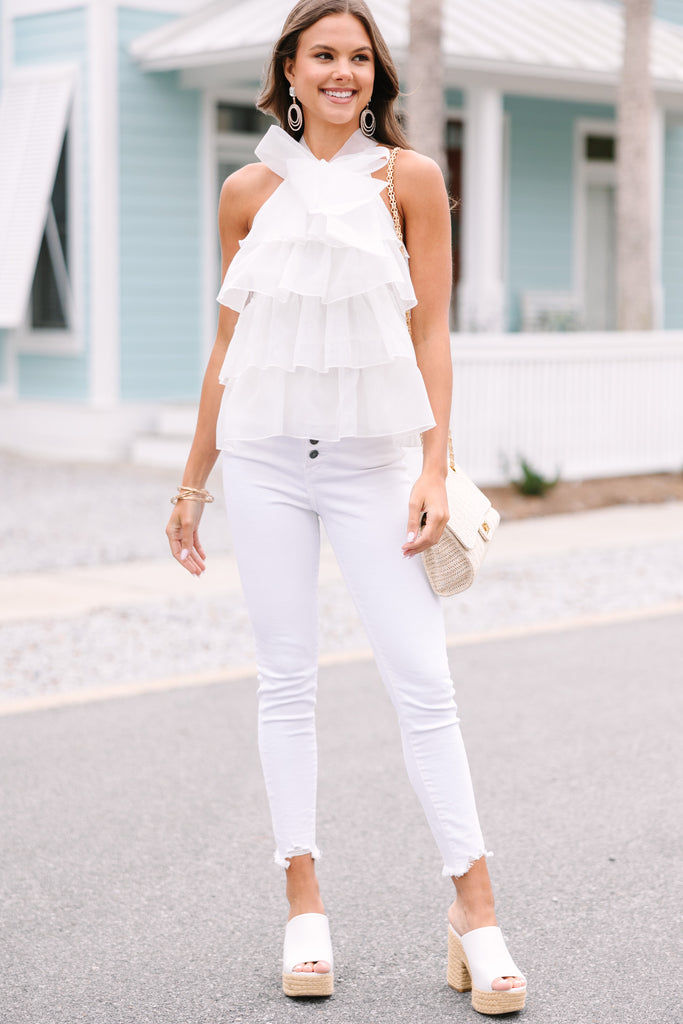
[{"x": 584, "y": 404}]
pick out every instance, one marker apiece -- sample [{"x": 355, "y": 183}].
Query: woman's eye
[{"x": 360, "y": 57}]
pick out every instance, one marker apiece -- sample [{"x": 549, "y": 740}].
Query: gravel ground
[
  {"x": 63, "y": 514},
  {"x": 172, "y": 638},
  {"x": 68, "y": 514}
]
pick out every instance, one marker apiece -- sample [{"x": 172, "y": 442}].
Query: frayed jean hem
[
  {"x": 460, "y": 868},
  {"x": 284, "y": 862}
]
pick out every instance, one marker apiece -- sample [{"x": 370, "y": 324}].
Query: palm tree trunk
[
  {"x": 635, "y": 285},
  {"x": 425, "y": 102}
]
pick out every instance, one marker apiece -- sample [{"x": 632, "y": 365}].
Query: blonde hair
[{"x": 275, "y": 99}]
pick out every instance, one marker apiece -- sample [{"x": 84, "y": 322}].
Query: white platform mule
[
  {"x": 307, "y": 939},
  {"x": 475, "y": 960}
]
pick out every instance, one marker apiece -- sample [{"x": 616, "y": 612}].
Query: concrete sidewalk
[{"x": 77, "y": 591}]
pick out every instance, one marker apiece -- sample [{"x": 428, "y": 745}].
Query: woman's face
[{"x": 334, "y": 70}]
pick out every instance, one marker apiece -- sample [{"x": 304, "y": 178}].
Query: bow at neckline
[{"x": 328, "y": 187}]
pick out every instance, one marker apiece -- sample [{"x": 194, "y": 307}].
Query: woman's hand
[
  {"x": 427, "y": 496},
  {"x": 183, "y": 537}
]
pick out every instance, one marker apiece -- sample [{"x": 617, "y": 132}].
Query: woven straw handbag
[{"x": 452, "y": 563}]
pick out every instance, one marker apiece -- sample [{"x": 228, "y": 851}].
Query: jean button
[{"x": 314, "y": 454}]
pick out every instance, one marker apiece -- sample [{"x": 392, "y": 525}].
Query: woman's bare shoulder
[
  {"x": 418, "y": 171},
  {"x": 244, "y": 191},
  {"x": 247, "y": 178}
]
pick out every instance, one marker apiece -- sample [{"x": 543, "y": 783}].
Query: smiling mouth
[{"x": 339, "y": 94}]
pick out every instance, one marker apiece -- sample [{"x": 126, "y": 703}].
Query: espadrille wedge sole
[
  {"x": 303, "y": 983},
  {"x": 307, "y": 939},
  {"x": 474, "y": 961}
]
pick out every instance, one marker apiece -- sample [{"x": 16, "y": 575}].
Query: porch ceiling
[{"x": 551, "y": 41}]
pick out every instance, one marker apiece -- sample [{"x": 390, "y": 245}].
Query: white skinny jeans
[{"x": 276, "y": 492}]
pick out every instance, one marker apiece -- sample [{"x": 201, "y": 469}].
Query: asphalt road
[{"x": 136, "y": 878}]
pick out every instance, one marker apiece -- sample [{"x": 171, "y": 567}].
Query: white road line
[{"x": 242, "y": 672}]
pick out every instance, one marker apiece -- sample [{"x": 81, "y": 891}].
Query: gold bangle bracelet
[{"x": 192, "y": 494}]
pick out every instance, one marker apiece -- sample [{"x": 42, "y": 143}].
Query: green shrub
[{"x": 532, "y": 482}]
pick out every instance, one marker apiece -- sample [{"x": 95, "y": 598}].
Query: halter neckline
[{"x": 278, "y": 149}]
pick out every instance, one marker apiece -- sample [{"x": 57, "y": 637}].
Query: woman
[{"x": 312, "y": 389}]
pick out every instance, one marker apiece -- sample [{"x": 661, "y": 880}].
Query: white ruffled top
[{"x": 321, "y": 348}]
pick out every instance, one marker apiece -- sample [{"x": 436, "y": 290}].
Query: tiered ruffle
[
  {"x": 341, "y": 402},
  {"x": 304, "y": 332},
  {"x": 321, "y": 348},
  {"x": 317, "y": 268}
]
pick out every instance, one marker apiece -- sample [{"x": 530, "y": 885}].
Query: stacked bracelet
[{"x": 192, "y": 494}]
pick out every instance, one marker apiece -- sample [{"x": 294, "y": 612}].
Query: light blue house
[{"x": 119, "y": 120}]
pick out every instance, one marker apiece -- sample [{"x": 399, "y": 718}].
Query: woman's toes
[
  {"x": 506, "y": 983},
  {"x": 313, "y": 966}
]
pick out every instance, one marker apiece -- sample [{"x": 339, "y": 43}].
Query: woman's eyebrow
[{"x": 332, "y": 49}]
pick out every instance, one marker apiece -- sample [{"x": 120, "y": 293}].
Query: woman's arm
[
  {"x": 234, "y": 214},
  {"x": 424, "y": 204}
]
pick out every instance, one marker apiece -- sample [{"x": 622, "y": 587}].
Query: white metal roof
[
  {"x": 33, "y": 117},
  {"x": 577, "y": 40}
]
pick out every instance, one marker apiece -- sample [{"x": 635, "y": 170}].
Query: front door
[
  {"x": 600, "y": 258},
  {"x": 598, "y": 247},
  {"x": 454, "y": 134}
]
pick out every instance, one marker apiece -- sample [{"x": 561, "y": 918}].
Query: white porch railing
[{"x": 584, "y": 404}]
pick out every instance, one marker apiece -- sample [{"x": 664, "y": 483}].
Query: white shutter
[{"x": 34, "y": 109}]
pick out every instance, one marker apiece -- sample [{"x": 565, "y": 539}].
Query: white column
[
  {"x": 6, "y": 49},
  {"x": 103, "y": 162},
  {"x": 481, "y": 295},
  {"x": 211, "y": 267},
  {"x": 658, "y": 167}
]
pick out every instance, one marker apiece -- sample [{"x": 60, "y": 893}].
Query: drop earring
[
  {"x": 368, "y": 122},
  {"x": 295, "y": 117}
]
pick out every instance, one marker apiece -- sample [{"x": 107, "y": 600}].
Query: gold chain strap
[
  {"x": 391, "y": 162},
  {"x": 392, "y": 194}
]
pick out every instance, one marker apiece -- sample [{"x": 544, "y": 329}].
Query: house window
[
  {"x": 51, "y": 291},
  {"x": 234, "y": 119},
  {"x": 600, "y": 147}
]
